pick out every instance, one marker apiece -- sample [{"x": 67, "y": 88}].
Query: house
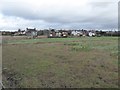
[
  {"x": 58, "y": 34},
  {"x": 19, "y": 32},
  {"x": 52, "y": 33},
  {"x": 91, "y": 34},
  {"x": 7, "y": 33},
  {"x": 63, "y": 33},
  {"x": 77, "y": 33},
  {"x": 31, "y": 32}
]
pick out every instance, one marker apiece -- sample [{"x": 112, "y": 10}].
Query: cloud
[
  {"x": 100, "y": 4},
  {"x": 59, "y": 13}
]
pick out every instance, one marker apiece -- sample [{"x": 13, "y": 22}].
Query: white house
[{"x": 91, "y": 34}]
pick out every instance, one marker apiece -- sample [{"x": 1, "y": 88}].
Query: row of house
[
  {"x": 83, "y": 33},
  {"x": 59, "y": 33},
  {"x": 52, "y": 33}
]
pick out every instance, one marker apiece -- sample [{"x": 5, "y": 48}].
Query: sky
[{"x": 59, "y": 14}]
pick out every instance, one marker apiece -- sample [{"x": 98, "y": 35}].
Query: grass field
[{"x": 84, "y": 62}]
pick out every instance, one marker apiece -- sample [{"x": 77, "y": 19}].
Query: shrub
[{"x": 80, "y": 48}]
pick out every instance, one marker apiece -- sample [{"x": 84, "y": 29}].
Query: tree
[{"x": 19, "y": 30}]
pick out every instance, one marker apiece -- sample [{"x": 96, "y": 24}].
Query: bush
[
  {"x": 72, "y": 44},
  {"x": 80, "y": 48}
]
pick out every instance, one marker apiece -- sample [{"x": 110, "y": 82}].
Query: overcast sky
[{"x": 66, "y": 14}]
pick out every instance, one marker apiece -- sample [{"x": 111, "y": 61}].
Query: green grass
[
  {"x": 23, "y": 41},
  {"x": 61, "y": 62},
  {"x": 40, "y": 40}
]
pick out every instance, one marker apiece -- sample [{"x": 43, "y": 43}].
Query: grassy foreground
[{"x": 61, "y": 62}]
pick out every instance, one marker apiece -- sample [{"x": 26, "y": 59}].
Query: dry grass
[{"x": 61, "y": 62}]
